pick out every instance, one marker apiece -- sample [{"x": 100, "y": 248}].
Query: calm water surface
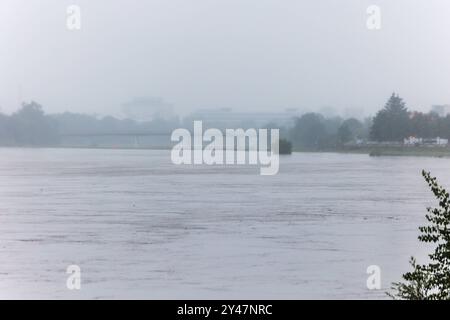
[{"x": 141, "y": 227}]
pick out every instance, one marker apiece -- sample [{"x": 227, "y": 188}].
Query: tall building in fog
[{"x": 441, "y": 109}]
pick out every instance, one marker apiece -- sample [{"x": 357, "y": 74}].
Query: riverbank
[
  {"x": 379, "y": 151},
  {"x": 374, "y": 151}
]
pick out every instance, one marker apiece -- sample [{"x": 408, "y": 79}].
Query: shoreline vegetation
[
  {"x": 393, "y": 131},
  {"x": 384, "y": 151},
  {"x": 389, "y": 151},
  {"x": 430, "y": 281}
]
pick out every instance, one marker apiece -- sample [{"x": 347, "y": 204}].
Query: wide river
[{"x": 140, "y": 227}]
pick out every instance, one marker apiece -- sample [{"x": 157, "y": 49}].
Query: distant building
[
  {"x": 413, "y": 141},
  {"x": 147, "y": 109},
  {"x": 442, "y": 109},
  {"x": 436, "y": 141}
]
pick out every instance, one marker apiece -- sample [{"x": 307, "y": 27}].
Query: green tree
[
  {"x": 31, "y": 127},
  {"x": 349, "y": 130},
  {"x": 6, "y": 135},
  {"x": 392, "y": 122},
  {"x": 344, "y": 134},
  {"x": 309, "y": 132},
  {"x": 425, "y": 125},
  {"x": 430, "y": 281}
]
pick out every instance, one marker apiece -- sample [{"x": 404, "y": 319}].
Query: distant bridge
[
  {"x": 133, "y": 135},
  {"x": 117, "y": 134}
]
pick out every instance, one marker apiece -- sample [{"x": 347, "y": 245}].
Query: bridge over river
[{"x": 158, "y": 139}]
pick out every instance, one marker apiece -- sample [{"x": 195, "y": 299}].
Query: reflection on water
[{"x": 141, "y": 227}]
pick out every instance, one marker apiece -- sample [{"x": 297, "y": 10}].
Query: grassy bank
[
  {"x": 379, "y": 151},
  {"x": 439, "y": 152}
]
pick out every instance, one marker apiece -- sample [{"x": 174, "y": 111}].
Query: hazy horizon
[{"x": 245, "y": 55}]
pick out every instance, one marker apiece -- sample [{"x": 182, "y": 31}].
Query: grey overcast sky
[{"x": 252, "y": 55}]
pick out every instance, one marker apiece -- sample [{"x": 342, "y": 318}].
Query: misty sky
[{"x": 264, "y": 55}]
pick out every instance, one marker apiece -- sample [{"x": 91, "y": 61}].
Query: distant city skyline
[{"x": 256, "y": 56}]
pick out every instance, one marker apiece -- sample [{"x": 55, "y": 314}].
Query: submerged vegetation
[{"x": 285, "y": 147}]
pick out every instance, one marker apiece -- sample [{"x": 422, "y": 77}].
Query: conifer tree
[{"x": 392, "y": 122}]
